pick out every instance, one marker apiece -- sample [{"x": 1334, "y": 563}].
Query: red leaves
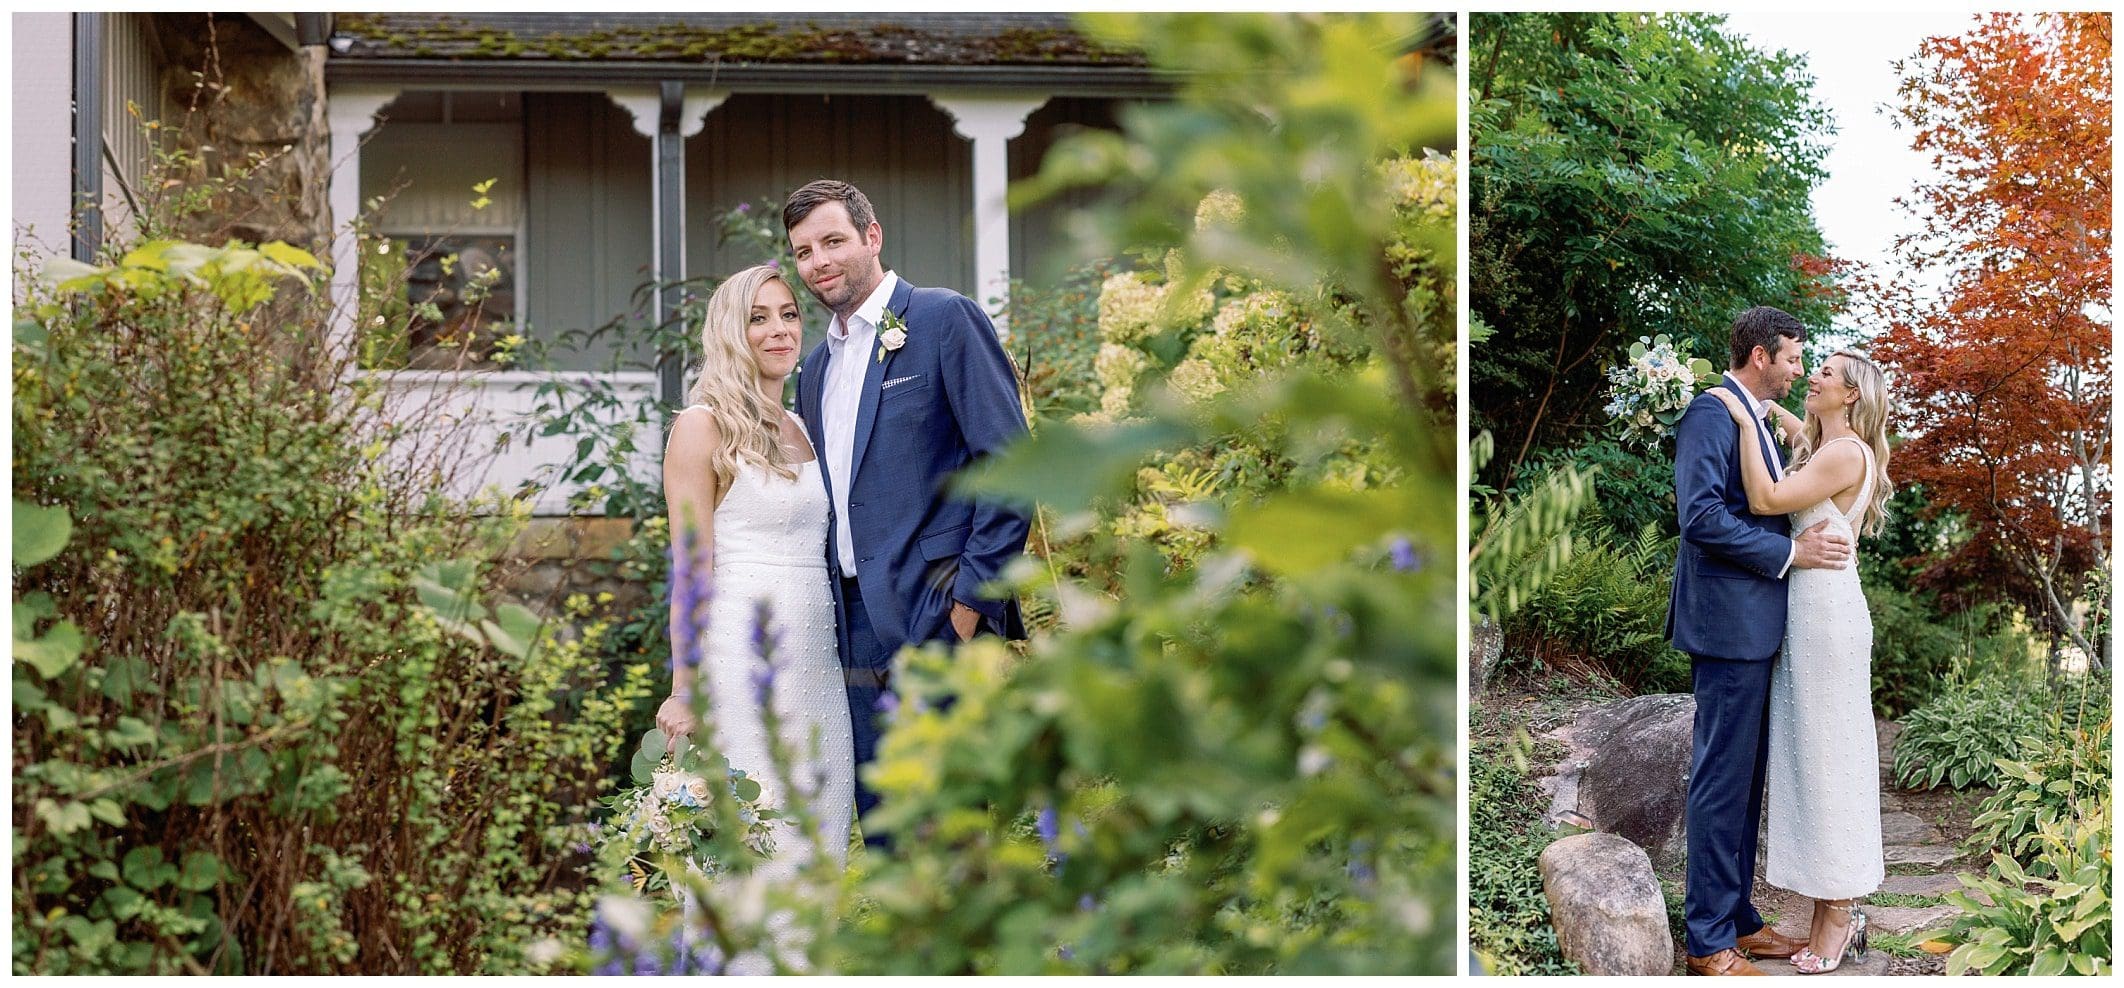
[{"x": 2003, "y": 379}]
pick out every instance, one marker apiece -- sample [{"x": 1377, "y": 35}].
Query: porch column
[
  {"x": 990, "y": 120},
  {"x": 350, "y": 112},
  {"x": 667, "y": 116}
]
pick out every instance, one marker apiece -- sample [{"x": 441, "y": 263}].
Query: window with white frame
[{"x": 448, "y": 169}]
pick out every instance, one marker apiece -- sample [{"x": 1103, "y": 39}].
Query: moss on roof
[{"x": 991, "y": 39}]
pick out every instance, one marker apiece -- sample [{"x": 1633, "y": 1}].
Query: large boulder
[
  {"x": 1626, "y": 770},
  {"x": 1606, "y": 906}
]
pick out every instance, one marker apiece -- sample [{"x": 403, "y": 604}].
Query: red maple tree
[{"x": 2003, "y": 377}]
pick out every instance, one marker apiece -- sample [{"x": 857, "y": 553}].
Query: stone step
[
  {"x": 1927, "y": 855},
  {"x": 1907, "y": 828},
  {"x": 1909, "y": 919},
  {"x": 1875, "y": 964},
  {"x": 1920, "y": 884}
]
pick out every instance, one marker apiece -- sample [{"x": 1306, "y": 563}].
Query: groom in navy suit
[
  {"x": 1728, "y": 613},
  {"x": 909, "y": 386}
]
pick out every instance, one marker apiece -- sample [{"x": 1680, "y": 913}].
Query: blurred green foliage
[{"x": 1243, "y": 722}]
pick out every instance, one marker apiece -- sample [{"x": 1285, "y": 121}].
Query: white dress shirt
[
  {"x": 1757, "y": 408},
  {"x": 840, "y": 397}
]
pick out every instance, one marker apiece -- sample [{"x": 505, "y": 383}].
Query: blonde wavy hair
[
  {"x": 748, "y": 426},
  {"x": 1868, "y": 417}
]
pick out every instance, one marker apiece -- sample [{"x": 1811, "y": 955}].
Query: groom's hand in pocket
[
  {"x": 1818, "y": 549},
  {"x": 964, "y": 621}
]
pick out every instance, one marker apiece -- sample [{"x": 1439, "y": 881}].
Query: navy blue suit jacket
[
  {"x": 1729, "y": 592},
  {"x": 952, "y": 398}
]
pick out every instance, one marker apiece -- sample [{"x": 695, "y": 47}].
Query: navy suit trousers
[
  {"x": 1728, "y": 753},
  {"x": 867, "y": 664}
]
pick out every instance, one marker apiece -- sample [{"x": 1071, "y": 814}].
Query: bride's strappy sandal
[{"x": 1809, "y": 962}]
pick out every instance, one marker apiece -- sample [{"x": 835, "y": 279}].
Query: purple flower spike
[
  {"x": 1403, "y": 553},
  {"x": 888, "y": 703},
  {"x": 1049, "y": 832},
  {"x": 1360, "y": 866},
  {"x": 764, "y": 638},
  {"x": 690, "y": 591},
  {"x": 764, "y": 641},
  {"x": 762, "y": 683},
  {"x": 1085, "y": 903}
]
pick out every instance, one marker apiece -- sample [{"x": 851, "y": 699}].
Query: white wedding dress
[
  {"x": 770, "y": 546},
  {"x": 1823, "y": 786}
]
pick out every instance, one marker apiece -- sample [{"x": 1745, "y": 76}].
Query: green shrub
[
  {"x": 2052, "y": 779},
  {"x": 1605, "y": 610},
  {"x": 1054, "y": 334},
  {"x": 1913, "y": 649},
  {"x": 247, "y": 740},
  {"x": 1636, "y": 489},
  {"x": 2017, "y": 921},
  {"x": 1959, "y": 736},
  {"x": 1508, "y": 913},
  {"x": 2081, "y": 702},
  {"x": 1919, "y": 646}
]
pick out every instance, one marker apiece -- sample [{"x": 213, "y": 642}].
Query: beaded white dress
[
  {"x": 1822, "y": 790},
  {"x": 770, "y": 546}
]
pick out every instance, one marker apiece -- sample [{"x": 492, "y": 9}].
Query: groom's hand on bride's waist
[{"x": 1816, "y": 548}]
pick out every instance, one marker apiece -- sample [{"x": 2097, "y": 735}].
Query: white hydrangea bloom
[
  {"x": 1117, "y": 366},
  {"x": 1128, "y": 307},
  {"x": 1219, "y": 208},
  {"x": 1196, "y": 380}
]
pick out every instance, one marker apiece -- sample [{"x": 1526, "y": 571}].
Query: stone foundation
[{"x": 563, "y": 556}]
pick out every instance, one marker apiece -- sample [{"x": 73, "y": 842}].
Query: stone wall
[{"x": 240, "y": 95}]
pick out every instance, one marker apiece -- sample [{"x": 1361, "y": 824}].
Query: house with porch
[{"x": 605, "y": 148}]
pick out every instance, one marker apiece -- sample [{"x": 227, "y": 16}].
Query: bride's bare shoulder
[
  {"x": 693, "y": 432},
  {"x": 1843, "y": 455}
]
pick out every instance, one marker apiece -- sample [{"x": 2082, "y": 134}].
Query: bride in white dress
[
  {"x": 1822, "y": 793},
  {"x": 740, "y": 476}
]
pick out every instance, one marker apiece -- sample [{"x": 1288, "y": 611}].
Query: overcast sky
[{"x": 1870, "y": 162}]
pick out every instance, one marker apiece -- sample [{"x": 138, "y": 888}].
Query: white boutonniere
[{"x": 892, "y": 334}]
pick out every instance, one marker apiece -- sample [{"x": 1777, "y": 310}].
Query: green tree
[{"x": 1630, "y": 175}]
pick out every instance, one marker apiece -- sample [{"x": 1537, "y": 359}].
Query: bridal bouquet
[
  {"x": 687, "y": 809},
  {"x": 1648, "y": 393}
]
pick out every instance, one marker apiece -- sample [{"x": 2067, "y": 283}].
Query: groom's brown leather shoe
[
  {"x": 1725, "y": 962},
  {"x": 1767, "y": 942}
]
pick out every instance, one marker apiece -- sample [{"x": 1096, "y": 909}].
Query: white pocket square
[{"x": 899, "y": 381}]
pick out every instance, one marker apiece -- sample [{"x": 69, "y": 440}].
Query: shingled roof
[{"x": 794, "y": 38}]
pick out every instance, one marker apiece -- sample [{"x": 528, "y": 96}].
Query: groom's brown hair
[
  {"x": 1760, "y": 327},
  {"x": 825, "y": 190}
]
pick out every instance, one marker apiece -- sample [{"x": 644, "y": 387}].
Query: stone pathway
[
  {"x": 1922, "y": 861},
  {"x": 1620, "y": 766}
]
